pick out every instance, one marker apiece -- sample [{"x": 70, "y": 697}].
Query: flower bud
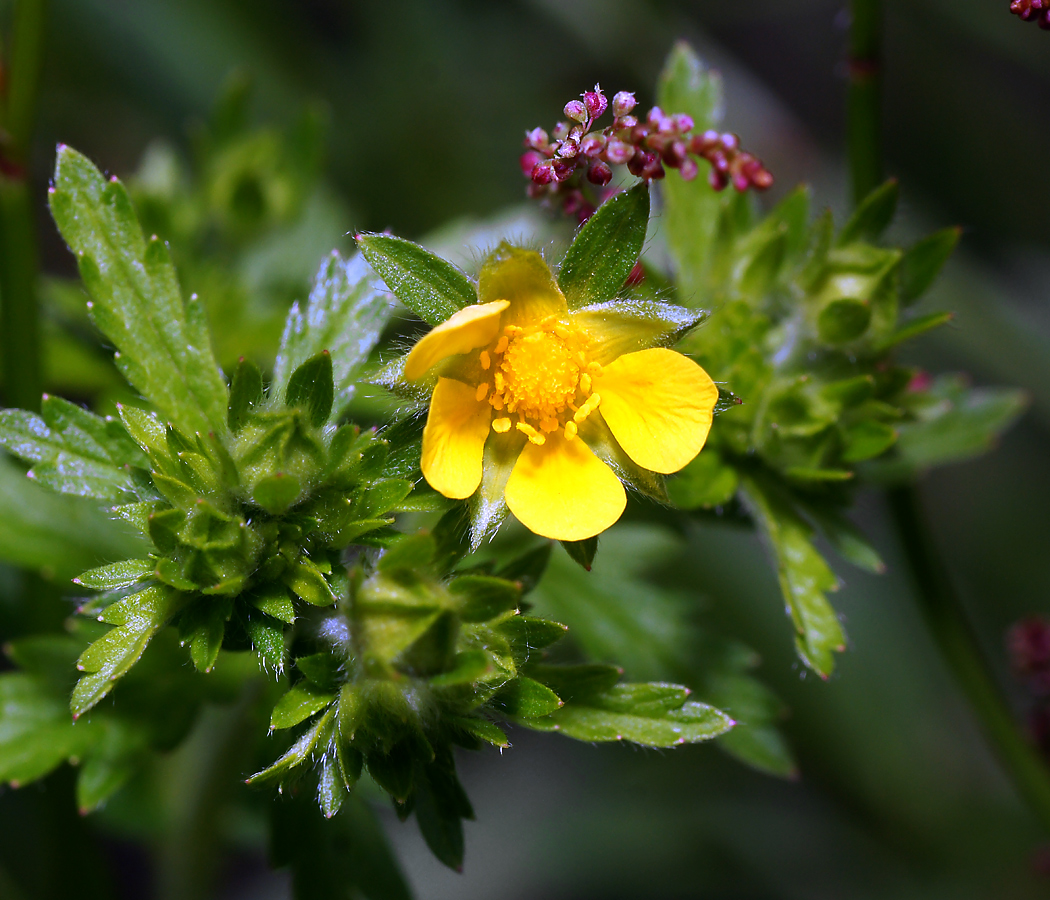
[
  {"x": 618, "y": 152},
  {"x": 636, "y": 165},
  {"x": 688, "y": 169},
  {"x": 674, "y": 154},
  {"x": 593, "y": 144},
  {"x": 537, "y": 139},
  {"x": 568, "y": 148},
  {"x": 595, "y": 102},
  {"x": 627, "y": 121},
  {"x": 576, "y": 111},
  {"x": 529, "y": 160},
  {"x": 562, "y": 168},
  {"x": 542, "y": 172},
  {"x": 561, "y": 131},
  {"x": 599, "y": 173},
  {"x": 623, "y": 103},
  {"x": 682, "y": 122}
]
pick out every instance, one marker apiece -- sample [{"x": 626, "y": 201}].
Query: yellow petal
[
  {"x": 470, "y": 328},
  {"x": 658, "y": 405},
  {"x": 617, "y": 327},
  {"x": 523, "y": 278},
  {"x": 561, "y": 490},
  {"x": 454, "y": 439}
]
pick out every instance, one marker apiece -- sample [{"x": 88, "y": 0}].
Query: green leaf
[
  {"x": 276, "y": 493},
  {"x": 275, "y": 601},
  {"x": 267, "y": 637},
  {"x": 866, "y": 440},
  {"x": 804, "y": 577},
  {"x": 203, "y": 626},
  {"x": 308, "y": 583},
  {"x": 312, "y": 388},
  {"x": 528, "y": 569},
  {"x": 345, "y": 315},
  {"x": 246, "y": 393},
  {"x": 605, "y": 249},
  {"x": 138, "y": 618},
  {"x": 81, "y": 467},
  {"x": 163, "y": 344},
  {"x": 704, "y": 483},
  {"x": 429, "y": 286},
  {"x": 527, "y": 634},
  {"x": 923, "y": 261},
  {"x": 525, "y": 698},
  {"x": 116, "y": 575},
  {"x": 36, "y": 733},
  {"x": 112, "y": 761},
  {"x": 872, "y": 216},
  {"x": 691, "y": 213},
  {"x": 843, "y": 320},
  {"x": 468, "y": 667},
  {"x": 916, "y": 327},
  {"x": 301, "y": 702},
  {"x": 299, "y": 752}
]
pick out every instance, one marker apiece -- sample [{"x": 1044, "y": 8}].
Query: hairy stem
[
  {"x": 947, "y": 621},
  {"x": 19, "y": 317},
  {"x": 864, "y": 101}
]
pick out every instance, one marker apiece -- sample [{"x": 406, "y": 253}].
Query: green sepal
[
  {"x": 873, "y": 216},
  {"x": 525, "y": 698},
  {"x": 484, "y": 597},
  {"x": 923, "y": 261},
  {"x": 246, "y": 393},
  {"x": 267, "y": 637},
  {"x": 116, "y": 575},
  {"x": 582, "y": 552},
  {"x": 276, "y": 493},
  {"x": 527, "y": 634},
  {"x": 528, "y": 569},
  {"x": 311, "y": 386},
  {"x": 429, "y": 286},
  {"x": 307, "y": 583},
  {"x": 275, "y": 601},
  {"x": 605, "y": 249},
  {"x": 302, "y": 701},
  {"x": 203, "y": 626},
  {"x": 300, "y": 752}
]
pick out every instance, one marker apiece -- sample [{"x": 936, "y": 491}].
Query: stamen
[
  {"x": 585, "y": 383},
  {"x": 482, "y": 392},
  {"x": 595, "y": 369},
  {"x": 497, "y": 401},
  {"x": 501, "y": 426},
  {"x": 562, "y": 332},
  {"x": 501, "y": 344},
  {"x": 533, "y": 435},
  {"x": 486, "y": 361},
  {"x": 588, "y": 407},
  {"x": 581, "y": 359},
  {"x": 549, "y": 425},
  {"x": 500, "y": 381},
  {"x": 571, "y": 430}
]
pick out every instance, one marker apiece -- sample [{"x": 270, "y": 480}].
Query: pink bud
[
  {"x": 537, "y": 139},
  {"x": 636, "y": 165},
  {"x": 599, "y": 173},
  {"x": 595, "y": 102},
  {"x": 627, "y": 121},
  {"x": 593, "y": 144},
  {"x": 542, "y": 172},
  {"x": 674, "y": 154},
  {"x": 568, "y": 148},
  {"x": 623, "y": 103},
  {"x": 563, "y": 168},
  {"x": 689, "y": 169},
  {"x": 618, "y": 152},
  {"x": 576, "y": 111},
  {"x": 529, "y": 160},
  {"x": 682, "y": 123},
  {"x": 717, "y": 179},
  {"x": 561, "y": 131}
]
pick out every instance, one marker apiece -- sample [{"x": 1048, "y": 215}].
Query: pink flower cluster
[
  {"x": 1033, "y": 11},
  {"x": 562, "y": 164}
]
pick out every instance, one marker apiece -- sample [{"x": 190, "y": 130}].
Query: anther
[
  {"x": 549, "y": 424},
  {"x": 501, "y": 426},
  {"x": 482, "y": 392},
  {"x": 585, "y": 383},
  {"x": 531, "y": 433},
  {"x": 562, "y": 332},
  {"x": 486, "y": 360},
  {"x": 595, "y": 369},
  {"x": 500, "y": 382},
  {"x": 497, "y": 401},
  {"x": 588, "y": 407},
  {"x": 570, "y": 430},
  {"x": 502, "y": 344}
]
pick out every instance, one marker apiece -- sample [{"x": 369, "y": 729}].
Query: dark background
[{"x": 427, "y": 101}]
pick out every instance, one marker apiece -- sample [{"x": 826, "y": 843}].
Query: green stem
[
  {"x": 947, "y": 621},
  {"x": 19, "y": 316},
  {"x": 864, "y": 101}
]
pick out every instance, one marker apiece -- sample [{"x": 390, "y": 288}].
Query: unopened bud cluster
[
  {"x": 1028, "y": 642},
  {"x": 563, "y": 163},
  {"x": 1033, "y": 11}
]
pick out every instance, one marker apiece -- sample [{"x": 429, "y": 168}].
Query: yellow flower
[{"x": 527, "y": 389}]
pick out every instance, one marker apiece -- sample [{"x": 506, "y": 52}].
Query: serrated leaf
[
  {"x": 301, "y": 702},
  {"x": 67, "y": 467},
  {"x": 873, "y": 216},
  {"x": 275, "y": 601},
  {"x": 525, "y": 698},
  {"x": 804, "y": 577},
  {"x": 138, "y": 618},
  {"x": 605, "y": 249},
  {"x": 164, "y": 349},
  {"x": 923, "y": 261},
  {"x": 428, "y": 285},
  {"x": 484, "y": 597},
  {"x": 299, "y": 752},
  {"x": 527, "y": 634},
  {"x": 345, "y": 315},
  {"x": 267, "y": 637},
  {"x": 116, "y": 575},
  {"x": 311, "y": 387},
  {"x": 306, "y": 582}
]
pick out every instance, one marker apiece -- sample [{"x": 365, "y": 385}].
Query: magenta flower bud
[
  {"x": 595, "y": 102},
  {"x": 655, "y": 116},
  {"x": 689, "y": 169},
  {"x": 718, "y": 180},
  {"x": 627, "y": 122},
  {"x": 637, "y": 164},
  {"x": 561, "y": 131},
  {"x": 562, "y": 168},
  {"x": 568, "y": 148},
  {"x": 593, "y": 144},
  {"x": 730, "y": 141},
  {"x": 623, "y": 103},
  {"x": 599, "y": 173},
  {"x": 618, "y": 152},
  {"x": 576, "y": 111},
  {"x": 542, "y": 172},
  {"x": 529, "y": 160},
  {"x": 674, "y": 154},
  {"x": 537, "y": 139},
  {"x": 682, "y": 123}
]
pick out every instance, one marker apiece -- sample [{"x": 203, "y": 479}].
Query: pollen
[
  {"x": 501, "y": 426},
  {"x": 531, "y": 433},
  {"x": 571, "y": 430},
  {"x": 482, "y": 392},
  {"x": 485, "y": 359},
  {"x": 588, "y": 407}
]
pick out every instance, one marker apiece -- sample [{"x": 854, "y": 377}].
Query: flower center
[{"x": 541, "y": 379}]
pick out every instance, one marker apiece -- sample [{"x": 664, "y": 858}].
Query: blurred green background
[{"x": 425, "y": 105}]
